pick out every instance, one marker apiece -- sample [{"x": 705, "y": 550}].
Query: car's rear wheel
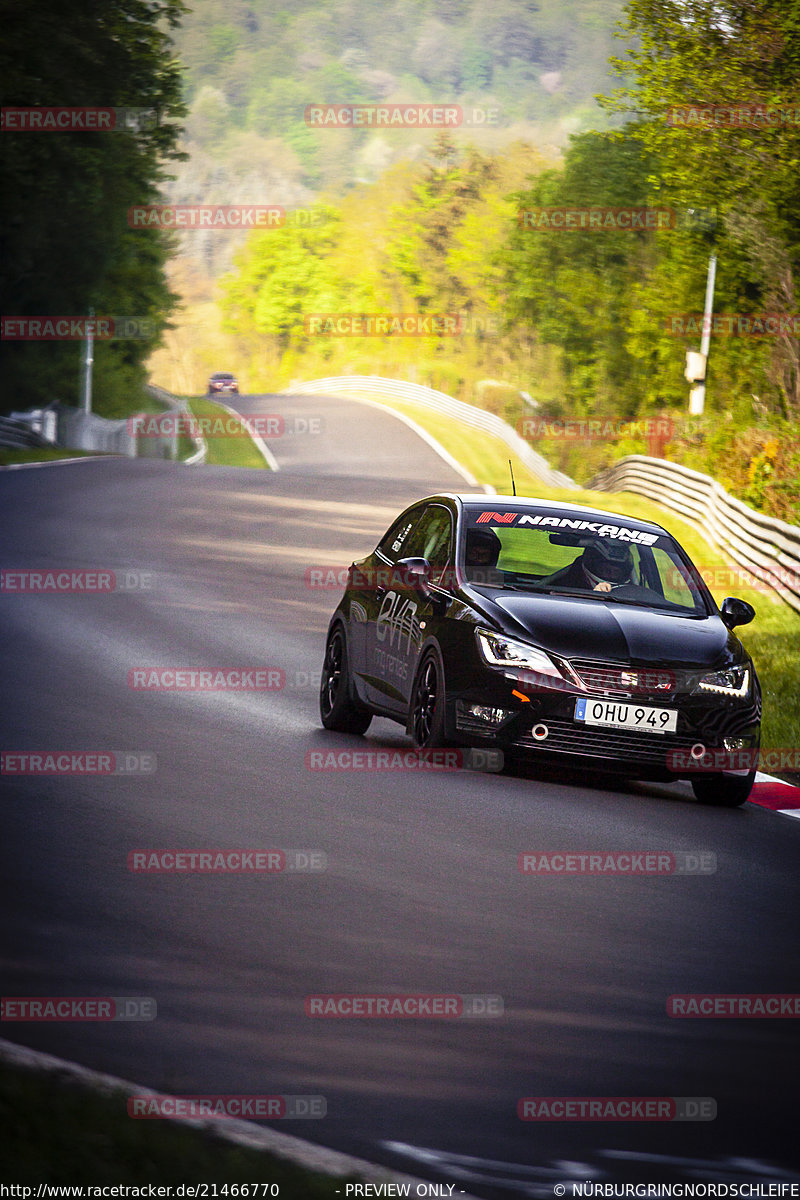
[
  {"x": 427, "y": 705},
  {"x": 724, "y": 791},
  {"x": 336, "y": 708}
]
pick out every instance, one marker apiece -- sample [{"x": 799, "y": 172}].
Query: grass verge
[
  {"x": 772, "y": 639},
  {"x": 231, "y": 449},
  {"x": 56, "y": 1130}
]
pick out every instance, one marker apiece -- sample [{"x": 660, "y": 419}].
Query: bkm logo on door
[{"x": 398, "y": 619}]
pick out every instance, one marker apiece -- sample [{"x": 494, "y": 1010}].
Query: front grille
[
  {"x": 572, "y": 737},
  {"x": 623, "y": 679}
]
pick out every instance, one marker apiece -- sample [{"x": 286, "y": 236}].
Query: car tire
[
  {"x": 426, "y": 714},
  {"x": 336, "y": 708},
  {"x": 723, "y": 791}
]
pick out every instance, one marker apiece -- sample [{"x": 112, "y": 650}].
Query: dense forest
[
  {"x": 252, "y": 67},
  {"x": 520, "y": 70}
]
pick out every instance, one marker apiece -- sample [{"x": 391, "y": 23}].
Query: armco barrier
[
  {"x": 765, "y": 546},
  {"x": 467, "y": 414},
  {"x": 176, "y": 405},
  {"x": 20, "y": 434}
]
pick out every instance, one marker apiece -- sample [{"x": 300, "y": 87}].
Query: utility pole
[
  {"x": 86, "y": 404},
  {"x": 697, "y": 396},
  {"x": 697, "y": 362}
]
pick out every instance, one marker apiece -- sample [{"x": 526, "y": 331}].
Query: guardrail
[
  {"x": 18, "y": 434},
  {"x": 765, "y": 546},
  {"x": 467, "y": 414},
  {"x": 176, "y": 405}
]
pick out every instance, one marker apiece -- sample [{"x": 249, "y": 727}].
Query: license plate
[{"x": 623, "y": 715}]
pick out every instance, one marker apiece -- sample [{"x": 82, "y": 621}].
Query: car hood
[{"x": 605, "y": 631}]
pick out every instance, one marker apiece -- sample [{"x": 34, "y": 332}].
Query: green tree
[
  {"x": 65, "y": 244},
  {"x": 727, "y": 55},
  {"x": 423, "y": 231},
  {"x": 283, "y": 275},
  {"x": 573, "y": 287}
]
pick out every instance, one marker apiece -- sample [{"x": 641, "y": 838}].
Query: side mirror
[
  {"x": 736, "y": 612},
  {"x": 415, "y": 573}
]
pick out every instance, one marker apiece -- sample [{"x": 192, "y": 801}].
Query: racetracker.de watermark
[
  {"x": 736, "y": 577},
  {"x": 226, "y": 862},
  {"x": 561, "y": 219},
  {"x": 398, "y": 116},
  {"x": 239, "y": 1107},
  {"x": 78, "y": 1008},
  {"x": 76, "y": 329},
  {"x": 331, "y": 577},
  {"x": 756, "y": 114},
  {"x": 756, "y": 325},
  {"x": 219, "y": 679},
  {"x": 646, "y": 681},
  {"x": 734, "y": 1004},
  {"x": 617, "y": 1108},
  {"x": 206, "y": 216},
  {"x": 65, "y": 581},
  {"x": 77, "y": 762},
  {"x": 388, "y": 324},
  {"x": 748, "y": 758},
  {"x": 77, "y": 120},
  {"x": 475, "y": 759},
  {"x": 618, "y": 862},
  {"x": 599, "y": 430},
  {"x": 224, "y": 425},
  {"x": 388, "y": 1006}
]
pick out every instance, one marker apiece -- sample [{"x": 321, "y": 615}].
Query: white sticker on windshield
[{"x": 611, "y": 531}]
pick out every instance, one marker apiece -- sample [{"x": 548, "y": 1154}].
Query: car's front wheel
[
  {"x": 427, "y": 705},
  {"x": 336, "y": 708},
  {"x": 725, "y": 791}
]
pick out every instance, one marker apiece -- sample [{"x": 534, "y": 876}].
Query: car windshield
[{"x": 561, "y": 553}]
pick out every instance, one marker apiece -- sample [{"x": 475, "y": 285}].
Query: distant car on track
[
  {"x": 547, "y": 630},
  {"x": 223, "y": 381}
]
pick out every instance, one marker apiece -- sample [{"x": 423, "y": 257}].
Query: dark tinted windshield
[{"x": 555, "y": 553}]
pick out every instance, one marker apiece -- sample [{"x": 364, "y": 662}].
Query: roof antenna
[{"x": 513, "y": 485}]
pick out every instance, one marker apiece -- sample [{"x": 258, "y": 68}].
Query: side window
[
  {"x": 432, "y": 539},
  {"x": 392, "y": 545},
  {"x": 676, "y": 582}
]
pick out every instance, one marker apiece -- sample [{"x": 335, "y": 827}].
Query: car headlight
[
  {"x": 505, "y": 652},
  {"x": 734, "y": 681}
]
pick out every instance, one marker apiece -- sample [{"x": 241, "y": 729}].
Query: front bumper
[{"x": 713, "y": 733}]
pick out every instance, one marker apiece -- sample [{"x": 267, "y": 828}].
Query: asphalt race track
[{"x": 422, "y": 893}]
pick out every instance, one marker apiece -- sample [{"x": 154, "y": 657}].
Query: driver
[
  {"x": 603, "y": 566},
  {"x": 482, "y": 551},
  {"x": 483, "y": 548},
  {"x": 607, "y": 565}
]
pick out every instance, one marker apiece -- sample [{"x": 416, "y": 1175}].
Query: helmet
[
  {"x": 483, "y": 548},
  {"x": 605, "y": 561}
]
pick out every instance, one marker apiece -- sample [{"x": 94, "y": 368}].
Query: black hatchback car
[{"x": 550, "y": 630}]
